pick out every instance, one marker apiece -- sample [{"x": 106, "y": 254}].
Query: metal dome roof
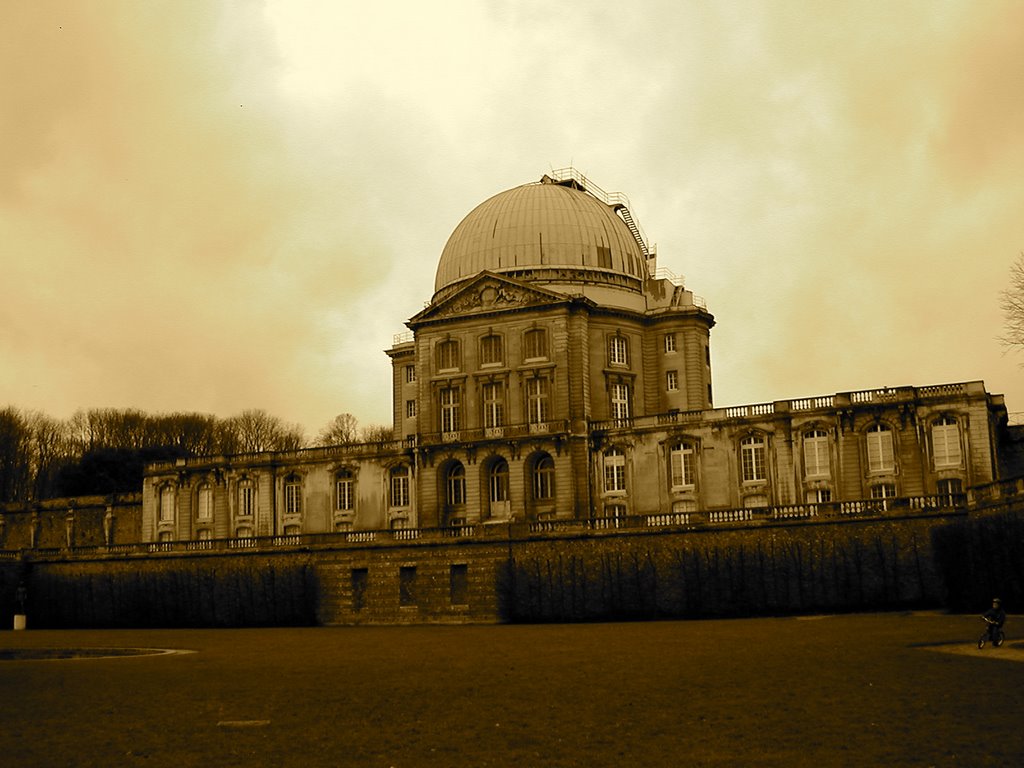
[{"x": 550, "y": 228}]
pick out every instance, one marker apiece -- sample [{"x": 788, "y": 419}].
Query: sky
[{"x": 219, "y": 206}]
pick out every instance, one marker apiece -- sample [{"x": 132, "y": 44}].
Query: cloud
[{"x": 215, "y": 206}]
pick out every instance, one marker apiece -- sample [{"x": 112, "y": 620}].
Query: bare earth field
[{"x": 862, "y": 690}]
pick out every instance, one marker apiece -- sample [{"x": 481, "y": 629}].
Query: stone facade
[{"x": 556, "y": 376}]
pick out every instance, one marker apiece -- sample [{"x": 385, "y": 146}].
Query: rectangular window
[
  {"x": 672, "y": 381},
  {"x": 537, "y": 400},
  {"x": 670, "y": 342},
  {"x": 883, "y": 491},
  {"x": 346, "y": 500},
  {"x": 620, "y": 401},
  {"x": 400, "y": 487},
  {"x": 167, "y": 505},
  {"x": 618, "y": 351},
  {"x": 816, "y": 462},
  {"x": 681, "y": 460},
  {"x": 459, "y": 584},
  {"x": 410, "y": 374},
  {"x": 451, "y": 409},
  {"x": 946, "y": 443},
  {"x": 880, "y": 450},
  {"x": 614, "y": 471},
  {"x": 246, "y": 501},
  {"x": 360, "y": 582},
  {"x": 448, "y": 355},
  {"x": 204, "y": 503},
  {"x": 752, "y": 459},
  {"x": 494, "y": 404},
  {"x": 535, "y": 344},
  {"x": 818, "y": 496},
  {"x": 407, "y": 585},
  {"x": 293, "y": 499},
  {"x": 951, "y": 490},
  {"x": 491, "y": 350},
  {"x": 410, "y": 409}
]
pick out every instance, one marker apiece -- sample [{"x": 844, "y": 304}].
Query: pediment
[{"x": 489, "y": 292}]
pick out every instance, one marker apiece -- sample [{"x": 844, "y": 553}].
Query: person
[{"x": 994, "y": 617}]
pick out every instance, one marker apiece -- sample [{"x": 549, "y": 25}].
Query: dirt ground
[{"x": 861, "y": 690}]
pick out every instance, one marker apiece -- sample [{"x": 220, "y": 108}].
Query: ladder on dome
[{"x": 618, "y": 203}]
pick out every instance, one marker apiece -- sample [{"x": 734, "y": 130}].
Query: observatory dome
[{"x": 549, "y": 231}]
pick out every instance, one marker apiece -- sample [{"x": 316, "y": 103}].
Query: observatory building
[{"x": 558, "y": 378}]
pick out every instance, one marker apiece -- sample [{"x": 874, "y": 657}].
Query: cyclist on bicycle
[{"x": 994, "y": 617}]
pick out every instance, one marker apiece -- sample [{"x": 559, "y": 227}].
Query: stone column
[
  {"x": 69, "y": 527},
  {"x": 108, "y": 526}
]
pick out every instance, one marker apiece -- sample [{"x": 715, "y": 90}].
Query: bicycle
[{"x": 993, "y": 632}]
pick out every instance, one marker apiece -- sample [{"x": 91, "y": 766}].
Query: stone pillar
[
  {"x": 33, "y": 529},
  {"x": 108, "y": 526},
  {"x": 69, "y": 527}
]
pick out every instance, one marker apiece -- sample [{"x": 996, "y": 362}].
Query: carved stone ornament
[{"x": 489, "y": 296}]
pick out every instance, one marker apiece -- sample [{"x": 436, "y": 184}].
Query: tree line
[{"x": 102, "y": 451}]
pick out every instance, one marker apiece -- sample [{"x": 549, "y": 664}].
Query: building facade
[{"x": 557, "y": 377}]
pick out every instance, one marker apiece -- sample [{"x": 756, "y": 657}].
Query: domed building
[
  {"x": 547, "y": 315},
  {"x": 558, "y": 379}
]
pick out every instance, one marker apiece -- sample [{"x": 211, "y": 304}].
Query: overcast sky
[{"x": 215, "y": 206}]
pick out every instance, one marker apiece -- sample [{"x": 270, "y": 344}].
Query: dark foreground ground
[{"x": 865, "y": 690}]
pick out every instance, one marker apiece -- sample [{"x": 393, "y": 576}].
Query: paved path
[{"x": 1008, "y": 652}]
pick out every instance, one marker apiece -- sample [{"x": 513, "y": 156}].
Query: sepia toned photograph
[{"x": 511, "y": 383}]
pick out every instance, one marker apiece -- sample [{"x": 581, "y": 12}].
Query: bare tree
[
  {"x": 342, "y": 430},
  {"x": 254, "y": 431},
  {"x": 15, "y": 450},
  {"x": 1012, "y": 304},
  {"x": 51, "y": 450},
  {"x": 376, "y": 433}
]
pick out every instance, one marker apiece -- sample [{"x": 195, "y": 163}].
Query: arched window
[
  {"x": 681, "y": 457},
  {"x": 816, "y": 462},
  {"x": 543, "y": 478},
  {"x": 881, "y": 456},
  {"x": 399, "y": 486},
  {"x": 614, "y": 471},
  {"x": 497, "y": 488},
  {"x": 753, "y": 459},
  {"x": 498, "y": 481},
  {"x": 345, "y": 486},
  {"x": 946, "y": 442},
  {"x": 455, "y": 485}
]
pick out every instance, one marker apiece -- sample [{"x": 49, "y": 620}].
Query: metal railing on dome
[{"x": 617, "y": 200}]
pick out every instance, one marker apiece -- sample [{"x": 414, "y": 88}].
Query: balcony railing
[
  {"x": 495, "y": 433},
  {"x": 509, "y": 529},
  {"x": 823, "y": 402}
]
